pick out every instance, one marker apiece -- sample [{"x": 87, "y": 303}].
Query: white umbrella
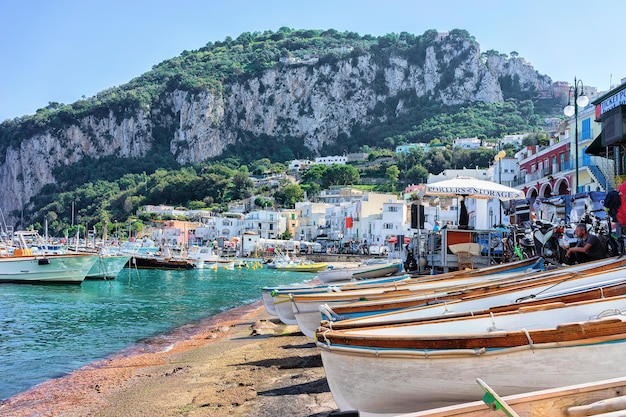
[{"x": 473, "y": 188}]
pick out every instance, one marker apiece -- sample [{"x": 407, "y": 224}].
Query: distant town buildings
[
  {"x": 331, "y": 160},
  {"x": 300, "y": 165},
  {"x": 514, "y": 140},
  {"x": 404, "y": 149},
  {"x": 467, "y": 143},
  {"x": 341, "y": 215}
]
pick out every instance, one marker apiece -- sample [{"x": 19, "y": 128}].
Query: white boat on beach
[
  {"x": 390, "y": 370},
  {"x": 597, "y": 398},
  {"x": 372, "y": 268},
  {"x": 475, "y": 298},
  {"x": 268, "y": 293},
  {"x": 307, "y": 308},
  {"x": 309, "y": 313}
]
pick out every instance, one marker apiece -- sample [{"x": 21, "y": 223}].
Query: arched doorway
[{"x": 545, "y": 191}]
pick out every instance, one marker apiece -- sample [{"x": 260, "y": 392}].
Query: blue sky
[{"x": 61, "y": 50}]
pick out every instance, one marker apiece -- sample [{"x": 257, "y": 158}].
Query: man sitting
[{"x": 589, "y": 247}]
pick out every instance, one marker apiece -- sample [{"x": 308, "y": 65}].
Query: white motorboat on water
[
  {"x": 205, "y": 257},
  {"x": 20, "y": 265},
  {"x": 108, "y": 266}
]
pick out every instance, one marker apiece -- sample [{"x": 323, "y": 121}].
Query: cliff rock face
[{"x": 307, "y": 100}]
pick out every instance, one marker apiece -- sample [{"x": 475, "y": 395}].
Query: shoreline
[{"x": 242, "y": 362}]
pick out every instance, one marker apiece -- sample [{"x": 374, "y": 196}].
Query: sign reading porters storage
[{"x": 473, "y": 188}]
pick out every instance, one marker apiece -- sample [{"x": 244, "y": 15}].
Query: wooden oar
[{"x": 494, "y": 401}]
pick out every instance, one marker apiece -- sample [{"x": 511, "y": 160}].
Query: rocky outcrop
[{"x": 314, "y": 101}]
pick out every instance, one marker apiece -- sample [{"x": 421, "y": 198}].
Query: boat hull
[
  {"x": 378, "y": 271},
  {"x": 302, "y": 267},
  {"x": 379, "y": 382},
  {"x": 269, "y": 293},
  {"x": 107, "y": 266},
  {"x": 554, "y": 402},
  {"x": 51, "y": 269},
  {"x": 159, "y": 263},
  {"x": 381, "y": 314},
  {"x": 364, "y": 271}
]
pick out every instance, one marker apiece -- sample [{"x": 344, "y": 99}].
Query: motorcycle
[{"x": 518, "y": 244}]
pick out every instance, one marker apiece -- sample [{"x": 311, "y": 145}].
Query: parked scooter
[{"x": 546, "y": 241}]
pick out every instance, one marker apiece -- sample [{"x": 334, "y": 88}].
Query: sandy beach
[{"x": 243, "y": 362}]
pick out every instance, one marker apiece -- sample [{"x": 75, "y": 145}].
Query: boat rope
[
  {"x": 575, "y": 274},
  {"x": 493, "y": 327},
  {"x": 530, "y": 340},
  {"x": 445, "y": 307},
  {"x": 295, "y": 305},
  {"x": 325, "y": 338},
  {"x": 326, "y": 310},
  {"x": 480, "y": 351},
  {"x": 609, "y": 312}
]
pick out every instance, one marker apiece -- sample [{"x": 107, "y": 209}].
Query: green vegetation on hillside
[{"x": 110, "y": 188}]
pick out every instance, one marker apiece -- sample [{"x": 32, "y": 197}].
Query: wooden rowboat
[
  {"x": 366, "y": 270},
  {"x": 268, "y": 293},
  {"x": 588, "y": 399},
  {"x": 604, "y": 289},
  {"x": 393, "y": 306},
  {"x": 408, "y": 368},
  {"x": 474, "y": 298}
]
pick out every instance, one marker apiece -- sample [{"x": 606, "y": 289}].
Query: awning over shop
[{"x": 596, "y": 147}]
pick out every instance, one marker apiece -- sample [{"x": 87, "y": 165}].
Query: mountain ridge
[{"x": 260, "y": 85}]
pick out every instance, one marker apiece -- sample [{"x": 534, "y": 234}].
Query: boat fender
[{"x": 43, "y": 261}]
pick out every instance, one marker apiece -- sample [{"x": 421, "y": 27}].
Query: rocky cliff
[{"x": 308, "y": 99}]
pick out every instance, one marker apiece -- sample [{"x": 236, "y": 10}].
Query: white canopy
[{"x": 473, "y": 188}]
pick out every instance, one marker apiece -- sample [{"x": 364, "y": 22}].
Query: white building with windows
[
  {"x": 467, "y": 143},
  {"x": 394, "y": 220},
  {"x": 331, "y": 160},
  {"x": 226, "y": 224},
  {"x": 515, "y": 140},
  {"x": 299, "y": 165},
  {"x": 268, "y": 224},
  {"x": 448, "y": 174},
  {"x": 311, "y": 220}
]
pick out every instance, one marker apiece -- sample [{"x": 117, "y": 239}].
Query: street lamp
[
  {"x": 580, "y": 100},
  {"x": 498, "y": 158}
]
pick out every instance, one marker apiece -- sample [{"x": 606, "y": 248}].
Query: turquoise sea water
[{"x": 49, "y": 330}]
